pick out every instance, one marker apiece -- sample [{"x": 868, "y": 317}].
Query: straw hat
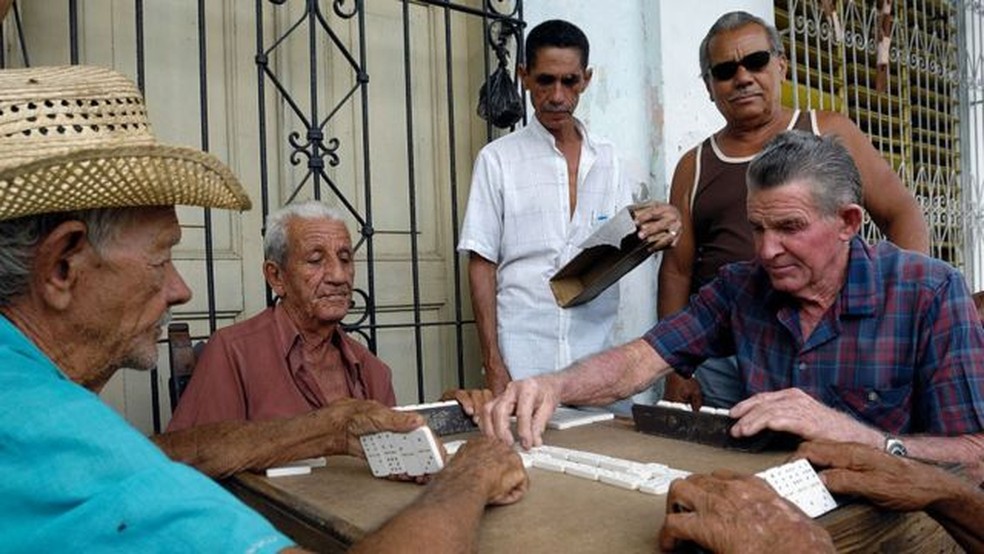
[{"x": 77, "y": 137}]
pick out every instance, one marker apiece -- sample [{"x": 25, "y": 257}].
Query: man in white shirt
[{"x": 536, "y": 194}]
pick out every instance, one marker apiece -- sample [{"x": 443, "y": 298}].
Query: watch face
[{"x": 895, "y": 447}]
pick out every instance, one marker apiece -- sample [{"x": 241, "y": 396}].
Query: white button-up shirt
[{"x": 518, "y": 216}]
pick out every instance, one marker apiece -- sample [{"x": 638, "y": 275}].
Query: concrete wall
[{"x": 647, "y": 95}]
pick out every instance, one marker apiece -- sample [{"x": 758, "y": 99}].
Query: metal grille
[
  {"x": 314, "y": 113},
  {"x": 905, "y": 73},
  {"x": 341, "y": 35}
]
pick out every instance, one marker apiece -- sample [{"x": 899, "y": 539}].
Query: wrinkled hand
[
  {"x": 725, "y": 512},
  {"x": 347, "y": 419},
  {"x": 471, "y": 400},
  {"x": 533, "y": 401},
  {"x": 493, "y": 465},
  {"x": 686, "y": 391},
  {"x": 796, "y": 412},
  {"x": 658, "y": 224},
  {"x": 888, "y": 481}
]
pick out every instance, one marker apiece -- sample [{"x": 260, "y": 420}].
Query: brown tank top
[{"x": 717, "y": 206}]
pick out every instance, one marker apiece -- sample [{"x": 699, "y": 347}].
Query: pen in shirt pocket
[{"x": 597, "y": 218}]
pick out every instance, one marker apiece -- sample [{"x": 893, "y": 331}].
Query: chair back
[{"x": 182, "y": 355}]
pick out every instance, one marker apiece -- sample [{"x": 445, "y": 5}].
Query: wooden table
[{"x": 335, "y": 506}]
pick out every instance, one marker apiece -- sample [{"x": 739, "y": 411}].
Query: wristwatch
[{"x": 894, "y": 446}]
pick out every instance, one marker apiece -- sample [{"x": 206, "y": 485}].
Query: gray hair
[
  {"x": 729, "y": 22},
  {"x": 275, "y": 239},
  {"x": 20, "y": 237},
  {"x": 822, "y": 162}
]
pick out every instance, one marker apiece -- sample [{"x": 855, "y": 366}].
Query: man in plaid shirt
[{"x": 835, "y": 339}]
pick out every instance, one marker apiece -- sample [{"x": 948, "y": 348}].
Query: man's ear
[
  {"x": 588, "y": 73},
  {"x": 852, "y": 216},
  {"x": 274, "y": 277},
  {"x": 58, "y": 262},
  {"x": 522, "y": 74},
  {"x": 783, "y": 68},
  {"x": 707, "y": 87}
]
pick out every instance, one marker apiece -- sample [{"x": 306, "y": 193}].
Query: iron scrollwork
[
  {"x": 338, "y": 6},
  {"x": 315, "y": 149},
  {"x": 493, "y": 7}
]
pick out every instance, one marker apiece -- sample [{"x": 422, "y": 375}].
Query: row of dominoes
[
  {"x": 687, "y": 408},
  {"x": 650, "y": 478},
  {"x": 796, "y": 481}
]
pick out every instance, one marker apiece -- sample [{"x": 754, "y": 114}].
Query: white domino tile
[
  {"x": 414, "y": 453},
  {"x": 297, "y": 467},
  {"x": 799, "y": 483},
  {"x": 285, "y": 471},
  {"x": 565, "y": 417}
]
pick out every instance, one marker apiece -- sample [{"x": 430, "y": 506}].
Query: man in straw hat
[{"x": 87, "y": 224}]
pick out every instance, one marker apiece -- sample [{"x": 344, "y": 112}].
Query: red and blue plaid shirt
[{"x": 901, "y": 349}]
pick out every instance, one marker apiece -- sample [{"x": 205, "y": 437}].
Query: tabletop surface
[{"x": 566, "y": 513}]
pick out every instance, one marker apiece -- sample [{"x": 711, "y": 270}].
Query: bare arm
[
  {"x": 482, "y": 276},
  {"x": 676, "y": 273},
  {"x": 676, "y": 269},
  {"x": 222, "y": 449},
  {"x": 891, "y": 206},
  {"x": 962, "y": 449},
  {"x": 902, "y": 484},
  {"x": 597, "y": 380},
  {"x": 794, "y": 411},
  {"x": 446, "y": 515}
]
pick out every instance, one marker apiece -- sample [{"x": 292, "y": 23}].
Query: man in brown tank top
[{"x": 743, "y": 66}]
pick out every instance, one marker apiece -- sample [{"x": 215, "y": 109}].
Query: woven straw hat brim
[{"x": 123, "y": 176}]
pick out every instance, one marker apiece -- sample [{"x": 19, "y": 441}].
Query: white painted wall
[
  {"x": 689, "y": 116},
  {"x": 647, "y": 95}
]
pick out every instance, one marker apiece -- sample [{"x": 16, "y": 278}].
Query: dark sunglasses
[{"x": 754, "y": 62}]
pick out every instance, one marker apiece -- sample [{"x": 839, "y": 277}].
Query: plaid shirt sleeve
[
  {"x": 701, "y": 330},
  {"x": 952, "y": 364}
]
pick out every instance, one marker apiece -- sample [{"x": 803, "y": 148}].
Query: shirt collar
[
  {"x": 287, "y": 332},
  {"x": 542, "y": 132},
  {"x": 289, "y": 337},
  {"x": 13, "y": 338},
  {"x": 860, "y": 294}
]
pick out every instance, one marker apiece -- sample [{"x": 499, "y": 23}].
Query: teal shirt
[{"x": 77, "y": 477}]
